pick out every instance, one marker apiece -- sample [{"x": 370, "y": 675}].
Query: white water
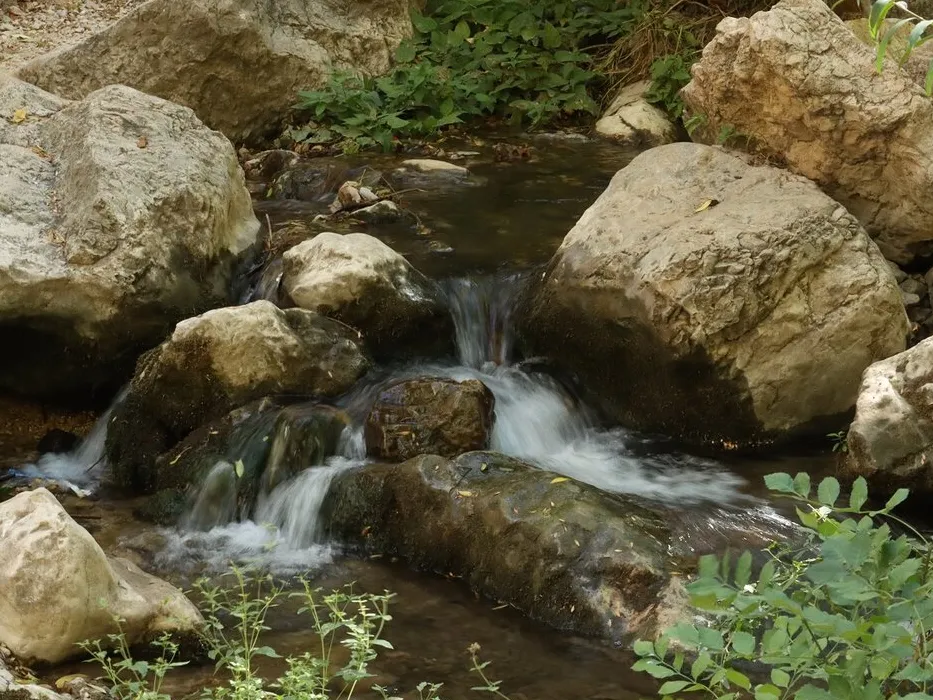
[
  {"x": 82, "y": 468},
  {"x": 536, "y": 420}
]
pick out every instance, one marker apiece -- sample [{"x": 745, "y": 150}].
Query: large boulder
[
  {"x": 238, "y": 63},
  {"x": 361, "y": 281},
  {"x": 796, "y": 86},
  {"x": 59, "y": 588},
  {"x": 218, "y": 361},
  {"x": 561, "y": 552},
  {"x": 890, "y": 442},
  {"x": 429, "y": 416},
  {"x": 708, "y": 298},
  {"x": 119, "y": 215}
]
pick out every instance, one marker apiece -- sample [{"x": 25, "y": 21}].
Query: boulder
[
  {"x": 238, "y": 63},
  {"x": 119, "y": 215},
  {"x": 429, "y": 172},
  {"x": 429, "y": 416},
  {"x": 218, "y": 361},
  {"x": 563, "y": 553},
  {"x": 361, "y": 281},
  {"x": 708, "y": 298},
  {"x": 633, "y": 121},
  {"x": 890, "y": 442},
  {"x": 796, "y": 86},
  {"x": 60, "y": 588}
]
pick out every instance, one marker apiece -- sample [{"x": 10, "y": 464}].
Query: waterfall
[{"x": 82, "y": 468}]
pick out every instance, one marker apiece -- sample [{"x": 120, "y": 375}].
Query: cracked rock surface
[{"x": 709, "y": 298}]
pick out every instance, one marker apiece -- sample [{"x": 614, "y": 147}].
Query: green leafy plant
[
  {"x": 888, "y": 34},
  {"x": 847, "y": 613},
  {"x": 235, "y": 620},
  {"x": 668, "y": 75},
  {"x": 526, "y": 61},
  {"x": 131, "y": 679},
  {"x": 840, "y": 441}
]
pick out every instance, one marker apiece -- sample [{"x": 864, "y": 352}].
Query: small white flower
[
  {"x": 749, "y": 588},
  {"x": 823, "y": 512}
]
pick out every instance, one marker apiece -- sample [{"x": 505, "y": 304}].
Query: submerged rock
[
  {"x": 119, "y": 215},
  {"x": 865, "y": 137},
  {"x": 430, "y": 416},
  {"x": 632, "y": 121},
  {"x": 890, "y": 441},
  {"x": 60, "y": 588},
  {"x": 238, "y": 63},
  {"x": 425, "y": 172},
  {"x": 714, "y": 300},
  {"x": 220, "y": 360},
  {"x": 557, "y": 550},
  {"x": 361, "y": 281}
]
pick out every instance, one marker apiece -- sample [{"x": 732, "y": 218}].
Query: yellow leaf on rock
[
  {"x": 19, "y": 116},
  {"x": 65, "y": 680},
  {"x": 465, "y": 494},
  {"x": 559, "y": 479}
]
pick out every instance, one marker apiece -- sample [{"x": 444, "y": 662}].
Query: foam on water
[{"x": 82, "y": 468}]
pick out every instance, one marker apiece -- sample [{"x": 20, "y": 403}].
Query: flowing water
[{"x": 538, "y": 418}]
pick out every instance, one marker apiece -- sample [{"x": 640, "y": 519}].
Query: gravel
[{"x": 30, "y": 28}]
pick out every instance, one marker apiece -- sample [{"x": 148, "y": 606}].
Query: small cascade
[
  {"x": 482, "y": 314},
  {"x": 215, "y": 503},
  {"x": 82, "y": 468}
]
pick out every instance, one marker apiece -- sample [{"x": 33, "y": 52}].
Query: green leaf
[
  {"x": 743, "y": 569},
  {"x": 767, "y": 692},
  {"x": 882, "y": 47},
  {"x": 780, "y": 482},
  {"x": 672, "y": 687},
  {"x": 743, "y": 643},
  {"x": 658, "y": 671},
  {"x": 767, "y": 574},
  {"x": 780, "y": 678},
  {"x": 424, "y": 25},
  {"x": 879, "y": 10},
  {"x": 643, "y": 647},
  {"x": 405, "y": 53},
  {"x": 802, "y": 484},
  {"x": 828, "y": 491},
  {"x": 238, "y": 468},
  {"x": 702, "y": 662},
  {"x": 738, "y": 678},
  {"x": 859, "y": 494},
  {"x": 899, "y": 497}
]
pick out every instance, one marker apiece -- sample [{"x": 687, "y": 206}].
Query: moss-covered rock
[
  {"x": 560, "y": 551},
  {"x": 220, "y": 360}
]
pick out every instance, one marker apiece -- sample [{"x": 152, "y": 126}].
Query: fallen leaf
[
  {"x": 142, "y": 142},
  {"x": 41, "y": 152},
  {"x": 19, "y": 116},
  {"x": 465, "y": 494},
  {"x": 238, "y": 468},
  {"x": 577, "y": 542},
  {"x": 706, "y": 205},
  {"x": 559, "y": 479},
  {"x": 65, "y": 680}
]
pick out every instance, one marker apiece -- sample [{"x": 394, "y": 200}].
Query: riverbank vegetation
[{"x": 528, "y": 63}]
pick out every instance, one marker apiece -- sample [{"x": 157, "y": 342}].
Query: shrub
[
  {"x": 847, "y": 613},
  {"x": 527, "y": 61}
]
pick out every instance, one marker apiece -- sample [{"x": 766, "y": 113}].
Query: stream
[{"x": 490, "y": 235}]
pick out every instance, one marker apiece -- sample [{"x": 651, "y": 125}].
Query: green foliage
[
  {"x": 235, "y": 620},
  {"x": 668, "y": 75},
  {"x": 840, "y": 441},
  {"x": 888, "y": 34},
  {"x": 525, "y": 60},
  {"x": 131, "y": 679},
  {"x": 846, "y": 615}
]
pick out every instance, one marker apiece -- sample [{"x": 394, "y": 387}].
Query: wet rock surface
[
  {"x": 429, "y": 416},
  {"x": 120, "y": 215},
  {"x": 558, "y": 551},
  {"x": 218, "y": 361},
  {"x": 632, "y": 121},
  {"x": 711, "y": 299}
]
